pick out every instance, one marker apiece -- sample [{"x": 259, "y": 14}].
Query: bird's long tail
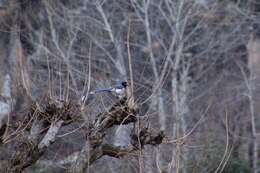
[{"x": 101, "y": 90}]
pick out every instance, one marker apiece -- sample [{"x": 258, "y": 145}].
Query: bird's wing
[{"x": 119, "y": 87}]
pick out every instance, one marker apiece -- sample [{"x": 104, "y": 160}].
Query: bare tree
[{"x": 186, "y": 65}]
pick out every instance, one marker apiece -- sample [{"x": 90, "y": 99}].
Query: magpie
[{"x": 118, "y": 90}]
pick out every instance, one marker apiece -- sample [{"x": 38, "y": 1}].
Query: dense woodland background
[{"x": 193, "y": 67}]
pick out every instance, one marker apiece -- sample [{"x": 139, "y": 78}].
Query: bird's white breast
[{"x": 119, "y": 91}]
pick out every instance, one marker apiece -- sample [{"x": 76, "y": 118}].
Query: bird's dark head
[{"x": 124, "y": 84}]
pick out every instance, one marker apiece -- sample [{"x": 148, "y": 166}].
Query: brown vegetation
[{"x": 192, "y": 100}]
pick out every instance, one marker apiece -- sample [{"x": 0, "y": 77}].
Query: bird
[{"x": 118, "y": 90}]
